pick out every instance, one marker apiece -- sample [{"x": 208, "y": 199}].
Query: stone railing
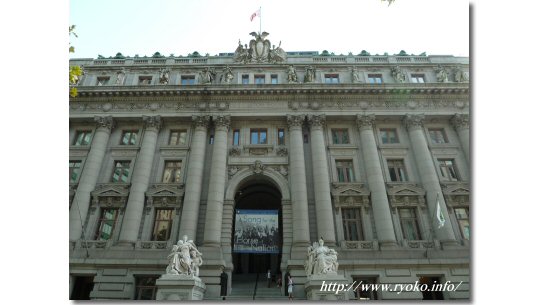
[
  {"x": 421, "y": 244},
  {"x": 93, "y": 244},
  {"x": 153, "y": 245},
  {"x": 359, "y": 245}
]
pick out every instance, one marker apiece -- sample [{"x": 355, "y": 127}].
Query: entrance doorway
[{"x": 258, "y": 199}]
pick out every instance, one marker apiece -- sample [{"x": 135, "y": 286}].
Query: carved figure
[
  {"x": 196, "y": 262},
  {"x": 278, "y": 54},
  {"x": 397, "y": 74},
  {"x": 321, "y": 259},
  {"x": 309, "y": 75},
  {"x": 441, "y": 74},
  {"x": 292, "y": 75},
  {"x": 259, "y": 50},
  {"x": 227, "y": 76},
  {"x": 355, "y": 76},
  {"x": 164, "y": 76},
  {"x": 206, "y": 76},
  {"x": 241, "y": 53},
  {"x": 120, "y": 77},
  {"x": 173, "y": 261},
  {"x": 184, "y": 258},
  {"x": 460, "y": 76}
]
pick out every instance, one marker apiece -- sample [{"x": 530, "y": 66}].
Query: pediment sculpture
[
  {"x": 321, "y": 260},
  {"x": 259, "y": 50},
  {"x": 185, "y": 259}
]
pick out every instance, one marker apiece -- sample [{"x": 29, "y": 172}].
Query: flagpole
[{"x": 260, "y": 20}]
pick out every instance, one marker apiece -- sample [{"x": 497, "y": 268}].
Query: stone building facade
[{"x": 358, "y": 149}]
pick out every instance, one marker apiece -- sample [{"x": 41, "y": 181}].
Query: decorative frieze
[
  {"x": 406, "y": 194},
  {"x": 110, "y": 195},
  {"x": 350, "y": 195},
  {"x": 456, "y": 193}
]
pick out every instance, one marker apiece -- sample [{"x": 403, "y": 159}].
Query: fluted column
[
  {"x": 322, "y": 190},
  {"x": 376, "y": 182},
  {"x": 428, "y": 175},
  {"x": 193, "y": 185},
  {"x": 460, "y": 122},
  {"x": 139, "y": 182},
  {"x": 217, "y": 181},
  {"x": 88, "y": 179},
  {"x": 301, "y": 232}
]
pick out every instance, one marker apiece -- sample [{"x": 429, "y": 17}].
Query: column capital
[
  {"x": 153, "y": 122},
  {"x": 316, "y": 120},
  {"x": 460, "y": 121},
  {"x": 412, "y": 121},
  {"x": 105, "y": 122},
  {"x": 365, "y": 121},
  {"x": 295, "y": 120},
  {"x": 222, "y": 121},
  {"x": 200, "y": 121}
]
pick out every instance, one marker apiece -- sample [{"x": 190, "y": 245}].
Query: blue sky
[{"x": 210, "y": 26}]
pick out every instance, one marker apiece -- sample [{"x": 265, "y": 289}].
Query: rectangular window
[
  {"x": 340, "y": 136},
  {"x": 172, "y": 172},
  {"x": 364, "y": 291},
  {"x": 244, "y": 79},
  {"x": 448, "y": 170},
  {"x": 128, "y": 137},
  {"x": 145, "y": 287},
  {"x": 375, "y": 78},
  {"x": 462, "y": 215},
  {"x": 389, "y": 136},
  {"x": 187, "y": 80},
  {"x": 331, "y": 79},
  {"x": 121, "y": 171},
  {"x": 144, "y": 80},
  {"x": 437, "y": 135},
  {"x": 83, "y": 137},
  {"x": 259, "y": 79},
  {"x": 258, "y": 136},
  {"x": 106, "y": 224},
  {"x": 163, "y": 224},
  {"x": 103, "y": 81},
  {"x": 281, "y": 136},
  {"x": 351, "y": 218},
  {"x": 236, "y": 137},
  {"x": 274, "y": 79},
  {"x": 408, "y": 219},
  {"x": 177, "y": 137},
  {"x": 344, "y": 170},
  {"x": 74, "y": 171},
  {"x": 417, "y": 78},
  {"x": 397, "y": 170}
]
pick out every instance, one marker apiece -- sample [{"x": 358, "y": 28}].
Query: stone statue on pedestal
[
  {"x": 184, "y": 258},
  {"x": 321, "y": 259}
]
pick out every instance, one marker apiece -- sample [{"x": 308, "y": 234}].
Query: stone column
[
  {"x": 140, "y": 182},
  {"x": 376, "y": 182},
  {"x": 193, "y": 184},
  {"x": 88, "y": 179},
  {"x": 322, "y": 190},
  {"x": 460, "y": 122},
  {"x": 217, "y": 182},
  {"x": 301, "y": 232},
  {"x": 428, "y": 176}
]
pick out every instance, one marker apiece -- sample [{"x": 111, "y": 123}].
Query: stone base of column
[
  {"x": 325, "y": 287},
  {"x": 388, "y": 245},
  {"x": 450, "y": 244},
  {"x": 179, "y": 287}
]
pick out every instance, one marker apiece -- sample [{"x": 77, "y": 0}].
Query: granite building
[{"x": 368, "y": 152}]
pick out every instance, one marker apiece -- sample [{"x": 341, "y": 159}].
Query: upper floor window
[
  {"x": 187, "y": 80},
  {"x": 244, "y": 79},
  {"x": 107, "y": 223},
  {"x": 172, "y": 172},
  {"x": 417, "y": 78},
  {"x": 121, "y": 171},
  {"x": 236, "y": 137},
  {"x": 146, "y": 288},
  {"x": 163, "y": 224},
  {"x": 448, "y": 170},
  {"x": 281, "y": 136},
  {"x": 344, "y": 170},
  {"x": 259, "y": 79},
  {"x": 462, "y": 215},
  {"x": 331, "y": 79},
  {"x": 128, "y": 137},
  {"x": 375, "y": 78},
  {"x": 274, "y": 79},
  {"x": 83, "y": 137},
  {"x": 258, "y": 136},
  {"x": 177, "y": 137},
  {"x": 388, "y": 135},
  {"x": 409, "y": 221},
  {"x": 397, "y": 170},
  {"x": 74, "y": 171},
  {"x": 351, "y": 219},
  {"x": 144, "y": 80},
  {"x": 437, "y": 135},
  {"x": 340, "y": 136},
  {"x": 103, "y": 80}
]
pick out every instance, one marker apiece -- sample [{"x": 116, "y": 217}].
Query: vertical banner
[{"x": 256, "y": 231}]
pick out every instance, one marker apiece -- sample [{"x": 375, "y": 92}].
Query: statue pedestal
[
  {"x": 324, "y": 287},
  {"x": 179, "y": 287}
]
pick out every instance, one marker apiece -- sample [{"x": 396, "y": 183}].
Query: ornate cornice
[
  {"x": 413, "y": 121},
  {"x": 200, "y": 121},
  {"x": 222, "y": 121},
  {"x": 460, "y": 121},
  {"x": 316, "y": 120},
  {"x": 366, "y": 121},
  {"x": 295, "y": 120},
  {"x": 104, "y": 122},
  {"x": 153, "y": 122}
]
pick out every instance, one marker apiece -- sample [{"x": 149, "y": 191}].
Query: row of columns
[{"x": 301, "y": 235}]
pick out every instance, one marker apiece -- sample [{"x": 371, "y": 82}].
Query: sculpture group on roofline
[
  {"x": 321, "y": 260},
  {"x": 259, "y": 50},
  {"x": 184, "y": 259}
]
